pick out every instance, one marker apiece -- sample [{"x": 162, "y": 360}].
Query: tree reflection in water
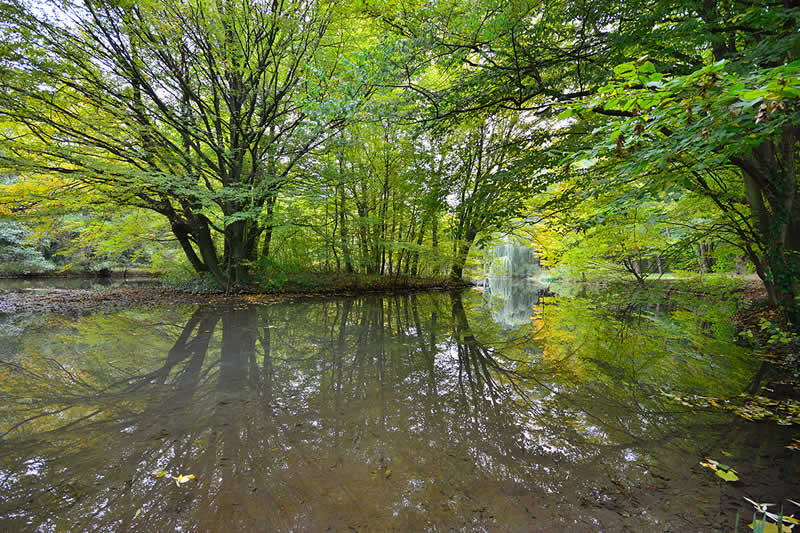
[{"x": 406, "y": 412}]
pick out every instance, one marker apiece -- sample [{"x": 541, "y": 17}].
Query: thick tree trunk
[
  {"x": 771, "y": 190},
  {"x": 182, "y": 234},
  {"x": 207, "y": 248},
  {"x": 241, "y": 239},
  {"x": 460, "y": 258}
]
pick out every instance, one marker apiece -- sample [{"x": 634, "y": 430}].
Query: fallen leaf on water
[
  {"x": 727, "y": 475},
  {"x": 723, "y": 471},
  {"x": 387, "y": 473},
  {"x": 768, "y": 527},
  {"x": 180, "y": 479},
  {"x": 726, "y": 454},
  {"x": 162, "y": 473}
]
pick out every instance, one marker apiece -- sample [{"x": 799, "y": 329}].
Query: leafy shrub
[{"x": 17, "y": 254}]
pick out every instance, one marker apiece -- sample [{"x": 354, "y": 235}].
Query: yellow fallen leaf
[
  {"x": 769, "y": 527},
  {"x": 180, "y": 479}
]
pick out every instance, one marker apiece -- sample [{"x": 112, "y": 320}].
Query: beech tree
[
  {"x": 199, "y": 111},
  {"x": 490, "y": 175},
  {"x": 728, "y": 130},
  {"x": 683, "y": 94}
]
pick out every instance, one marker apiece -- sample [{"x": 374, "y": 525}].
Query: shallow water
[
  {"x": 56, "y": 283},
  {"x": 429, "y": 411}
]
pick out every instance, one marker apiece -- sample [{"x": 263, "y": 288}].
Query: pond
[
  {"x": 67, "y": 283},
  {"x": 506, "y": 409}
]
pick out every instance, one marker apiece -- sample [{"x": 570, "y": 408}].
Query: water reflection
[
  {"x": 410, "y": 412},
  {"x": 67, "y": 283},
  {"x": 512, "y": 300}
]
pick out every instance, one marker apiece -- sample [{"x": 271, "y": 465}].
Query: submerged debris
[{"x": 784, "y": 412}]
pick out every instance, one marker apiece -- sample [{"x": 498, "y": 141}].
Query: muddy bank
[
  {"x": 83, "y": 274},
  {"x": 88, "y": 300},
  {"x": 78, "y": 301}
]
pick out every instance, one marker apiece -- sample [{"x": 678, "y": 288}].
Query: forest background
[{"x": 247, "y": 143}]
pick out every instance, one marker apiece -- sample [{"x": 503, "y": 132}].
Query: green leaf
[
  {"x": 647, "y": 68},
  {"x": 625, "y": 70},
  {"x": 727, "y": 475},
  {"x": 565, "y": 114},
  {"x": 788, "y": 92},
  {"x": 752, "y": 95}
]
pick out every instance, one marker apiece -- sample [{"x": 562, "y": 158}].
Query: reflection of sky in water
[{"x": 409, "y": 413}]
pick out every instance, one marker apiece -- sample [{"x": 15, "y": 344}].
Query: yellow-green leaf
[
  {"x": 768, "y": 527},
  {"x": 180, "y": 479},
  {"x": 727, "y": 475}
]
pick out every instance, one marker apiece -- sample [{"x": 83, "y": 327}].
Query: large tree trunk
[
  {"x": 770, "y": 184},
  {"x": 462, "y": 252},
  {"x": 241, "y": 238},
  {"x": 770, "y": 180}
]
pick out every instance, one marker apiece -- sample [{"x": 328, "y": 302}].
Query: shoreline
[{"x": 79, "y": 301}]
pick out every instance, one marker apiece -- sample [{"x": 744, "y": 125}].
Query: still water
[{"x": 506, "y": 409}]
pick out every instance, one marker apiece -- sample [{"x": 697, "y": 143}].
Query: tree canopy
[{"x": 404, "y": 138}]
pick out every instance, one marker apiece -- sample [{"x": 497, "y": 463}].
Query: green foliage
[
  {"x": 18, "y": 254},
  {"x": 130, "y": 106},
  {"x": 726, "y": 131},
  {"x": 395, "y": 140}
]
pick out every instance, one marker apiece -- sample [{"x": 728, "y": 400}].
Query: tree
[
  {"x": 733, "y": 120},
  {"x": 17, "y": 255},
  {"x": 197, "y": 111},
  {"x": 715, "y": 89},
  {"x": 489, "y": 176}
]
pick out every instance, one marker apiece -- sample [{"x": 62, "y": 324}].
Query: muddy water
[
  {"x": 56, "y": 283},
  {"x": 420, "y": 412}
]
